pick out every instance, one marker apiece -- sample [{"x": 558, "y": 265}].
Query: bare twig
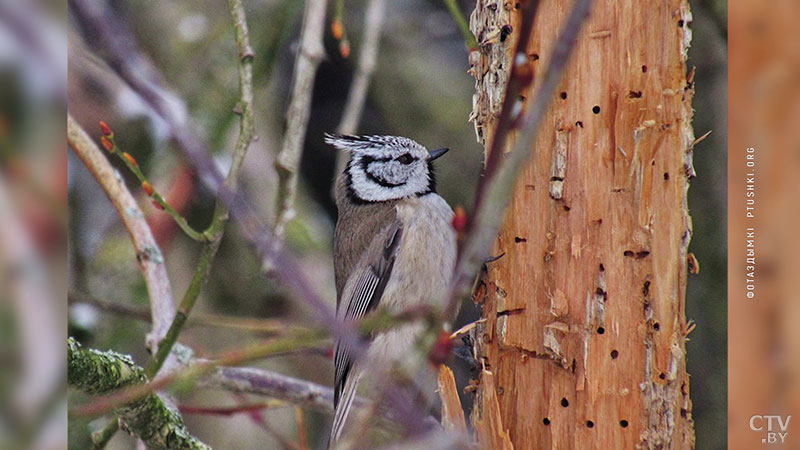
[
  {"x": 110, "y": 143},
  {"x": 197, "y": 368},
  {"x": 148, "y": 255},
  {"x": 356, "y": 98},
  {"x": 229, "y": 410},
  {"x": 461, "y": 22},
  {"x": 216, "y": 229},
  {"x": 373, "y": 23},
  {"x": 493, "y": 193},
  {"x": 244, "y": 324},
  {"x": 301, "y": 428},
  {"x": 262, "y": 421},
  {"x": 273, "y": 385},
  {"x": 110, "y": 38},
  {"x": 100, "y": 438},
  {"x": 287, "y": 163},
  {"x": 117, "y": 46}
]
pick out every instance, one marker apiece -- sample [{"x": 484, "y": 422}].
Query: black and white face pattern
[{"x": 385, "y": 168}]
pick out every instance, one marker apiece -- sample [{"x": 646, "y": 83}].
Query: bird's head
[{"x": 383, "y": 168}]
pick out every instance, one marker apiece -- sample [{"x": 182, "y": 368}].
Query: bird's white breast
[{"x": 422, "y": 271}]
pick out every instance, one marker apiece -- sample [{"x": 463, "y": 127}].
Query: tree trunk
[{"x": 584, "y": 341}]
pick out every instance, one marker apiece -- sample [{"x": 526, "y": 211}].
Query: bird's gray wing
[{"x": 362, "y": 293}]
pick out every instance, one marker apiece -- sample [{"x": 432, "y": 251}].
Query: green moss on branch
[{"x": 149, "y": 417}]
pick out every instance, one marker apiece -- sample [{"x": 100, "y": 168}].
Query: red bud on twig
[
  {"x": 107, "y": 144},
  {"x": 337, "y": 29},
  {"x": 106, "y": 129},
  {"x": 460, "y": 220},
  {"x": 130, "y": 159},
  {"x": 344, "y": 48},
  {"x": 441, "y": 349},
  {"x": 147, "y": 187}
]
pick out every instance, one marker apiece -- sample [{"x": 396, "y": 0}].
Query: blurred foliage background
[{"x": 420, "y": 89}]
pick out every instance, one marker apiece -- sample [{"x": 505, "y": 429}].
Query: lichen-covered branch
[
  {"x": 149, "y": 418},
  {"x": 191, "y": 369},
  {"x": 287, "y": 164},
  {"x": 148, "y": 254}
]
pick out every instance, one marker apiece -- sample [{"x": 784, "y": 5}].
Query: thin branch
[
  {"x": 148, "y": 417},
  {"x": 217, "y": 227},
  {"x": 245, "y": 324},
  {"x": 273, "y": 385},
  {"x": 461, "y": 22},
  {"x": 260, "y": 420},
  {"x": 229, "y": 410},
  {"x": 301, "y": 428},
  {"x": 197, "y": 368},
  {"x": 109, "y": 36},
  {"x": 357, "y": 96},
  {"x": 287, "y": 163},
  {"x": 100, "y": 438},
  {"x": 110, "y": 143},
  {"x": 148, "y": 255},
  {"x": 111, "y": 39},
  {"x": 500, "y": 174}
]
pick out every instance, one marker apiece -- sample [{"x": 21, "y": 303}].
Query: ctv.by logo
[{"x": 777, "y": 427}]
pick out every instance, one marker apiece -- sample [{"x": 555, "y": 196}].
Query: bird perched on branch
[{"x": 394, "y": 247}]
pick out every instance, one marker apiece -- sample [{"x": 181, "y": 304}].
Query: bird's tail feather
[{"x": 343, "y": 408}]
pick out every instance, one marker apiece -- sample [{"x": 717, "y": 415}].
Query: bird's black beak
[{"x": 437, "y": 153}]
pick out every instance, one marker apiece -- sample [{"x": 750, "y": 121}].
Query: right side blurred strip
[{"x": 764, "y": 225}]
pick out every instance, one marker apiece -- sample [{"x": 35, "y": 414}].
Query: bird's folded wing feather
[{"x": 362, "y": 293}]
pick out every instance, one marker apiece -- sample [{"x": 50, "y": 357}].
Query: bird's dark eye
[{"x": 405, "y": 158}]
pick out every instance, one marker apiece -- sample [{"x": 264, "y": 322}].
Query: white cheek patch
[{"x": 367, "y": 189}]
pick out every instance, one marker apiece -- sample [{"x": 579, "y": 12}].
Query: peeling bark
[{"x": 595, "y": 238}]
